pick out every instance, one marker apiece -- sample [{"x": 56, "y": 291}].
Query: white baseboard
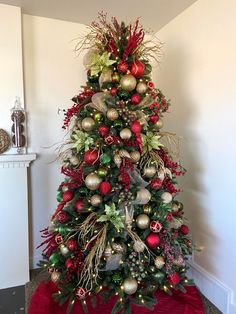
[{"x": 215, "y": 291}]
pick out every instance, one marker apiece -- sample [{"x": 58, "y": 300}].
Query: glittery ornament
[
  {"x": 130, "y": 285},
  {"x": 135, "y": 156},
  {"x": 139, "y": 246},
  {"x": 55, "y": 276},
  {"x": 105, "y": 188},
  {"x": 159, "y": 262},
  {"x": 72, "y": 244},
  {"x": 79, "y": 205},
  {"x": 143, "y": 196},
  {"x": 122, "y": 67},
  {"x": 88, "y": 124},
  {"x": 143, "y": 221},
  {"x": 92, "y": 181},
  {"x": 125, "y": 134},
  {"x": 80, "y": 293},
  {"x": 166, "y": 197},
  {"x": 150, "y": 171},
  {"x": 68, "y": 196},
  {"x": 174, "y": 279},
  {"x": 103, "y": 130},
  {"x": 105, "y": 159},
  {"x": 152, "y": 240},
  {"x": 141, "y": 87},
  {"x": 135, "y": 99},
  {"x": 96, "y": 200},
  {"x": 128, "y": 82},
  {"x": 112, "y": 114},
  {"x": 118, "y": 248}
]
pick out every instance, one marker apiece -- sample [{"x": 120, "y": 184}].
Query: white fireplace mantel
[{"x": 14, "y": 227}]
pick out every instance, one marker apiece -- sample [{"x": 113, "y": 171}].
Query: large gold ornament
[
  {"x": 143, "y": 196},
  {"x": 139, "y": 246},
  {"x": 159, "y": 262},
  {"x": 74, "y": 160},
  {"x": 135, "y": 156},
  {"x": 88, "y": 124},
  {"x": 166, "y": 197},
  {"x": 143, "y": 221},
  {"x": 141, "y": 87},
  {"x": 159, "y": 124},
  {"x": 128, "y": 82},
  {"x": 112, "y": 114},
  {"x": 96, "y": 200},
  {"x": 92, "y": 181},
  {"x": 125, "y": 134},
  {"x": 150, "y": 171},
  {"x": 130, "y": 285}
]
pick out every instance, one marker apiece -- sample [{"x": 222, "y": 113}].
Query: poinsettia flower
[
  {"x": 113, "y": 216},
  {"x": 99, "y": 62}
]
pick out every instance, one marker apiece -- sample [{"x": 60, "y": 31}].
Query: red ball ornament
[
  {"x": 62, "y": 217},
  {"x": 154, "y": 119},
  {"x": 135, "y": 99},
  {"x": 156, "y": 184},
  {"x": 72, "y": 244},
  {"x": 152, "y": 240},
  {"x": 68, "y": 196},
  {"x": 137, "y": 68},
  {"x": 91, "y": 156},
  {"x": 80, "y": 293},
  {"x": 105, "y": 188},
  {"x": 136, "y": 127},
  {"x": 155, "y": 226},
  {"x": 184, "y": 229},
  {"x": 103, "y": 130},
  {"x": 113, "y": 91},
  {"x": 79, "y": 205},
  {"x": 72, "y": 264},
  {"x": 122, "y": 67},
  {"x": 58, "y": 239},
  {"x": 174, "y": 278}
]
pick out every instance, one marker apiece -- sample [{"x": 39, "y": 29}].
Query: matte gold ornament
[
  {"x": 55, "y": 276},
  {"x": 139, "y": 246},
  {"x": 147, "y": 209},
  {"x": 130, "y": 285},
  {"x": 159, "y": 262},
  {"x": 143, "y": 196},
  {"x": 64, "y": 249},
  {"x": 96, "y": 200},
  {"x": 74, "y": 160},
  {"x": 143, "y": 221},
  {"x": 125, "y": 134},
  {"x": 112, "y": 114},
  {"x": 166, "y": 197},
  {"x": 128, "y": 82},
  {"x": 135, "y": 156},
  {"x": 175, "y": 207},
  {"x": 159, "y": 124},
  {"x": 150, "y": 171},
  {"x": 92, "y": 181},
  {"x": 88, "y": 124},
  {"x": 141, "y": 87}
]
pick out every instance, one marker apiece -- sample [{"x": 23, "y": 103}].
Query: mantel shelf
[{"x": 16, "y": 161}]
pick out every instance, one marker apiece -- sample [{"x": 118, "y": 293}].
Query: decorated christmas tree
[{"x": 118, "y": 228}]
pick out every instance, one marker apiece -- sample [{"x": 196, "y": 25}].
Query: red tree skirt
[{"x": 179, "y": 303}]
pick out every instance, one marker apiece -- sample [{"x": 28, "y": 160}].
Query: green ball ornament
[
  {"x": 98, "y": 117},
  {"x": 63, "y": 230},
  {"x": 105, "y": 159},
  {"x": 54, "y": 258},
  {"x": 123, "y": 94},
  {"x": 128, "y": 82},
  {"x": 102, "y": 172}
]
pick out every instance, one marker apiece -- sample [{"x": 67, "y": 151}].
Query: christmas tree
[{"x": 118, "y": 228}]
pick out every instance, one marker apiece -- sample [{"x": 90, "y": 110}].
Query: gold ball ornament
[
  {"x": 135, "y": 156},
  {"x": 141, "y": 87},
  {"x": 96, "y": 200},
  {"x": 159, "y": 124},
  {"x": 159, "y": 262},
  {"x": 92, "y": 181},
  {"x": 128, "y": 82},
  {"x": 143, "y": 196},
  {"x": 55, "y": 276},
  {"x": 88, "y": 124},
  {"x": 125, "y": 134},
  {"x": 74, "y": 160},
  {"x": 175, "y": 207},
  {"x": 166, "y": 197},
  {"x": 112, "y": 114},
  {"x": 147, "y": 209},
  {"x": 139, "y": 246},
  {"x": 130, "y": 285},
  {"x": 143, "y": 221},
  {"x": 150, "y": 171}
]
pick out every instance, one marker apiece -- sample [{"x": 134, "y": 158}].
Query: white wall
[
  {"x": 198, "y": 74},
  {"x": 53, "y": 75}
]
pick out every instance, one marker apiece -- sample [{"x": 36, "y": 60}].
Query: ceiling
[{"x": 154, "y": 13}]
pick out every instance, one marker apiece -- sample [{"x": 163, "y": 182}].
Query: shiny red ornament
[
  {"x": 136, "y": 127},
  {"x": 155, "y": 226},
  {"x": 137, "y": 69},
  {"x": 79, "y": 205},
  {"x": 122, "y": 67},
  {"x": 152, "y": 240},
  {"x": 91, "y": 156},
  {"x": 113, "y": 91},
  {"x": 136, "y": 98},
  {"x": 154, "y": 119},
  {"x": 103, "y": 130},
  {"x": 80, "y": 293},
  {"x": 156, "y": 184},
  {"x": 184, "y": 229},
  {"x": 72, "y": 264},
  {"x": 58, "y": 239},
  {"x": 72, "y": 244},
  {"x": 62, "y": 217},
  {"x": 105, "y": 188},
  {"x": 68, "y": 196},
  {"x": 174, "y": 278}
]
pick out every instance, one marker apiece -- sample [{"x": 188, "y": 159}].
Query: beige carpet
[{"x": 37, "y": 277}]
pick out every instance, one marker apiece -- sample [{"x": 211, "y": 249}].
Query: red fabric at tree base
[{"x": 179, "y": 303}]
